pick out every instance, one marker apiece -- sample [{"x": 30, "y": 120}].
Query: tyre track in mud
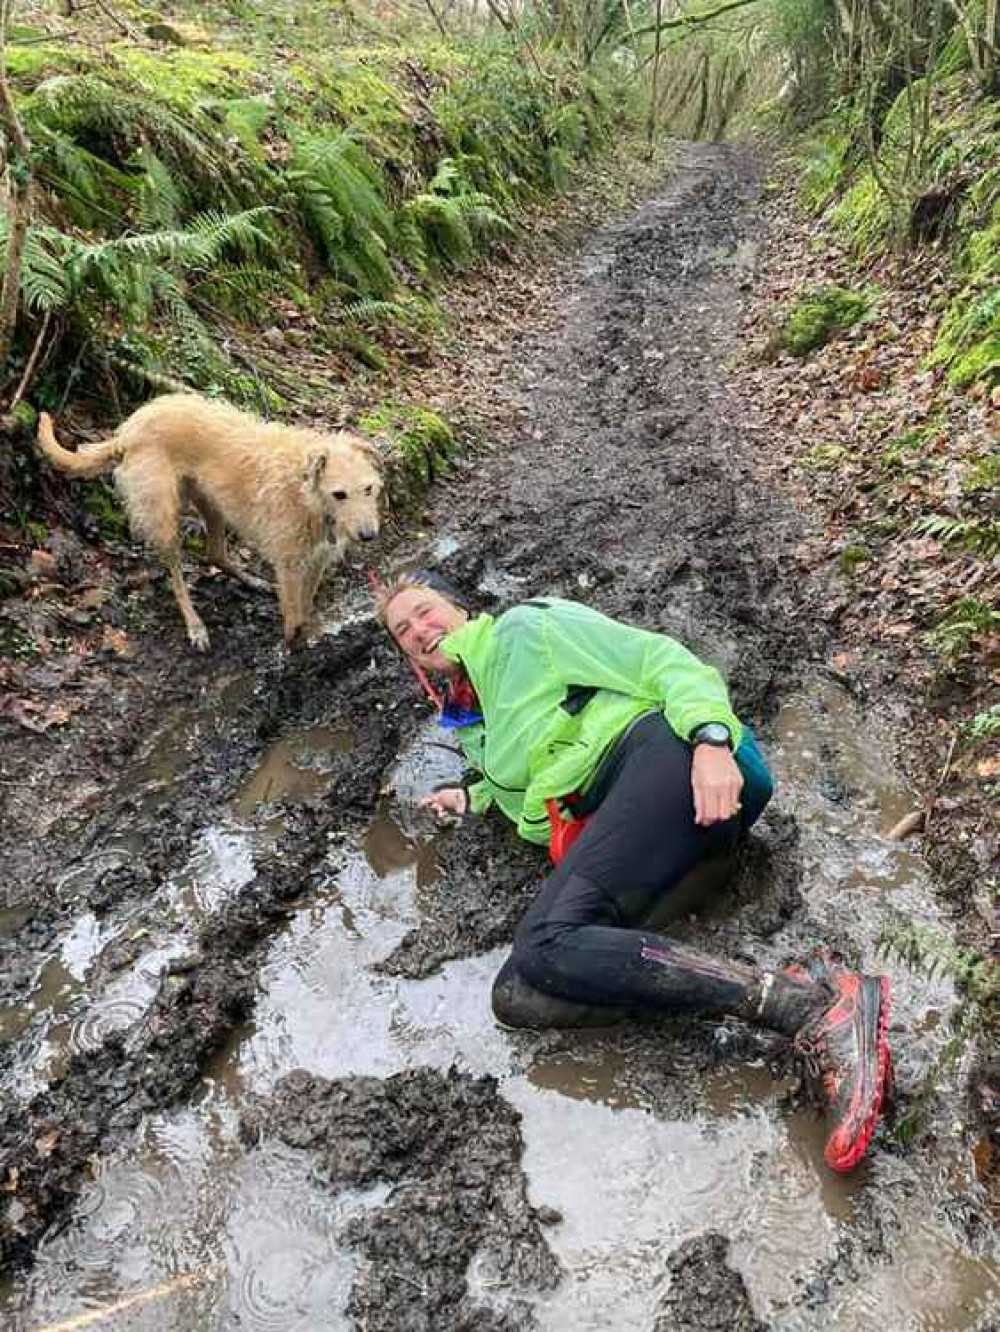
[{"x": 628, "y": 488}]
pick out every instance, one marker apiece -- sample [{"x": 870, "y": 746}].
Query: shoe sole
[{"x": 848, "y": 1158}]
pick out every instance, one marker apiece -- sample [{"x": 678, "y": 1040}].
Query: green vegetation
[
  {"x": 977, "y": 981},
  {"x": 819, "y": 314},
  {"x": 188, "y": 198},
  {"x": 983, "y": 726},
  {"x": 967, "y": 622},
  {"x": 422, "y": 441}
]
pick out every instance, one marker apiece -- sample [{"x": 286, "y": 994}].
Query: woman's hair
[{"x": 429, "y": 578}]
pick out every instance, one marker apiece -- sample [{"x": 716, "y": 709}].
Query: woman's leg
[
  {"x": 578, "y": 942},
  {"x": 579, "y": 939}
]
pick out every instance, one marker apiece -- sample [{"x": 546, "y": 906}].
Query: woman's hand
[
  {"x": 450, "y": 802},
  {"x": 717, "y": 782}
]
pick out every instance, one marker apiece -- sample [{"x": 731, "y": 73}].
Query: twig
[
  {"x": 96, "y": 1316},
  {"x": 932, "y": 801},
  {"x": 33, "y": 359}
]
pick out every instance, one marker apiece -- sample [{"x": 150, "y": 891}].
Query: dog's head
[{"x": 344, "y": 482}]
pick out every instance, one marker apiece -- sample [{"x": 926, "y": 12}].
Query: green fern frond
[
  {"x": 161, "y": 200},
  {"x": 44, "y": 284},
  {"x": 980, "y": 536},
  {"x": 241, "y": 287},
  {"x": 370, "y": 313},
  {"x": 337, "y": 186}
]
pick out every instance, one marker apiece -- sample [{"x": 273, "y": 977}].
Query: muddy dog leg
[
  {"x": 152, "y": 498},
  {"x": 313, "y": 578},
  {"x": 293, "y": 581},
  {"x": 217, "y": 551}
]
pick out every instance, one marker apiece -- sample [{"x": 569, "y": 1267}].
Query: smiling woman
[{"x": 620, "y": 749}]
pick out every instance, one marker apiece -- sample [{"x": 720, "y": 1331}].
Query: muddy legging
[{"x": 578, "y": 940}]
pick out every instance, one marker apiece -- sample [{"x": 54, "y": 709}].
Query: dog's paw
[{"x": 198, "y": 635}]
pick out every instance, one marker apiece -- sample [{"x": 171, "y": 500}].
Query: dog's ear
[{"x": 316, "y": 464}]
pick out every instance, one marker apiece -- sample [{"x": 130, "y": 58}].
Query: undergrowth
[{"x": 188, "y": 198}]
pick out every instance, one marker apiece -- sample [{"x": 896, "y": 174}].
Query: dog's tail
[{"x": 88, "y": 463}]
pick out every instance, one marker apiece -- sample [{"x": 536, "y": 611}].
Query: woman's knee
[{"x": 515, "y": 1002}]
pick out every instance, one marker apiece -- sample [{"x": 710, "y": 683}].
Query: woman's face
[{"x": 418, "y": 618}]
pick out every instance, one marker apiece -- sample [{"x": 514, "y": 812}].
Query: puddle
[
  {"x": 292, "y": 769},
  {"x": 255, "y": 1237},
  {"x": 188, "y": 1231},
  {"x": 71, "y": 1008}
]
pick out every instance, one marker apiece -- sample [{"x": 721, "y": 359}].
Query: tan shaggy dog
[{"x": 296, "y": 495}]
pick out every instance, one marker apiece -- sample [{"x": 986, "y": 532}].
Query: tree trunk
[
  {"x": 18, "y": 206},
  {"x": 655, "y": 94}
]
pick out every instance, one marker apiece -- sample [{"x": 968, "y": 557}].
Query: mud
[
  {"x": 316, "y": 955},
  {"x": 705, "y": 1293},
  {"x": 451, "y": 1147}
]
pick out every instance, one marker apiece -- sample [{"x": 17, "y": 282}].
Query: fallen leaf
[
  {"x": 46, "y": 1144},
  {"x": 988, "y": 767},
  {"x": 93, "y": 597},
  {"x": 116, "y": 641},
  {"x": 907, "y": 825},
  {"x": 34, "y": 716},
  {"x": 41, "y": 562}
]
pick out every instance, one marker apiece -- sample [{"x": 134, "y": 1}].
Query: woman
[{"x": 579, "y": 724}]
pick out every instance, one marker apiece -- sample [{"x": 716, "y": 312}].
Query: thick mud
[{"x": 251, "y": 1077}]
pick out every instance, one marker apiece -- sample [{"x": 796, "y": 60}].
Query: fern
[
  {"x": 241, "y": 287},
  {"x": 337, "y": 187},
  {"x": 977, "y": 980},
  {"x": 967, "y": 620},
  {"x": 116, "y": 120},
  {"x": 371, "y": 313},
  {"x": 161, "y": 201},
  {"x": 980, "y": 537},
  {"x": 449, "y": 229}
]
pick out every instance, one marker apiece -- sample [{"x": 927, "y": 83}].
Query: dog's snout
[{"x": 368, "y": 533}]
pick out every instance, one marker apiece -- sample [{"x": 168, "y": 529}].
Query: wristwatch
[{"x": 712, "y": 733}]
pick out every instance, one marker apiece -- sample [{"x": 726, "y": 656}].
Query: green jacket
[{"x": 529, "y": 748}]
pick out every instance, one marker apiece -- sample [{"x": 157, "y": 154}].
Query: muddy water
[{"x": 186, "y": 1229}]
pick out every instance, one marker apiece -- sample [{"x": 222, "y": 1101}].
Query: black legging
[{"x": 578, "y": 940}]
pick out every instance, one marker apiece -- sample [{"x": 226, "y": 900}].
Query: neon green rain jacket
[{"x": 529, "y": 747}]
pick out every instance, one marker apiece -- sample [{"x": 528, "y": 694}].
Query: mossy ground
[{"x": 819, "y": 314}]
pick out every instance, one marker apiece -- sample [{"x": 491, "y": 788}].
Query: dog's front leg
[{"x": 294, "y": 612}]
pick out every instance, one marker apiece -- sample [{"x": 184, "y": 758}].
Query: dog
[{"x": 298, "y": 496}]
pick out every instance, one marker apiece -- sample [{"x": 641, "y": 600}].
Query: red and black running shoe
[{"x": 846, "y": 1054}]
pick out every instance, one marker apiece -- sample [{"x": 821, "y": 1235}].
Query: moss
[
  {"x": 980, "y": 362},
  {"x": 864, "y": 215},
  {"x": 968, "y": 340},
  {"x": 184, "y": 76},
  {"x": 101, "y": 502},
  {"x": 819, "y": 315},
  {"x": 424, "y": 441},
  {"x": 852, "y": 556},
  {"x": 823, "y": 456},
  {"x": 983, "y": 476}
]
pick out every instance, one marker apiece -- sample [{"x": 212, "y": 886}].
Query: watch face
[{"x": 713, "y": 733}]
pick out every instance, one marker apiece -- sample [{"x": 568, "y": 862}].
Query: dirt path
[{"x": 250, "y": 1042}]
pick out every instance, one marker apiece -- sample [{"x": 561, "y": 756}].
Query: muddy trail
[{"x": 251, "y": 1077}]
